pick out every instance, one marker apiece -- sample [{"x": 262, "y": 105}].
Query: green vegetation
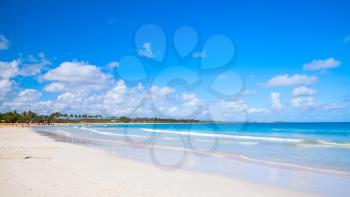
[{"x": 32, "y": 117}]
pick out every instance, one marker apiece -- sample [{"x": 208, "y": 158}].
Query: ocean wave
[
  {"x": 226, "y": 136},
  {"x": 294, "y": 165},
  {"x": 324, "y": 144},
  {"x": 294, "y": 141},
  {"x": 294, "y": 130},
  {"x": 241, "y": 143},
  {"x": 64, "y": 132},
  {"x": 225, "y": 155},
  {"x": 111, "y": 134},
  {"x": 251, "y": 140}
]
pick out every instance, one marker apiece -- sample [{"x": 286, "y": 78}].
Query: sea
[{"x": 310, "y": 157}]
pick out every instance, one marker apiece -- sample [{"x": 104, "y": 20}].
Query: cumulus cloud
[
  {"x": 29, "y": 66},
  {"x": 146, "y": 51},
  {"x": 74, "y": 72},
  {"x": 322, "y": 64},
  {"x": 112, "y": 65},
  {"x": 27, "y": 99},
  {"x": 33, "y": 65},
  {"x": 303, "y": 91},
  {"x": 230, "y": 110},
  {"x": 121, "y": 100},
  {"x": 304, "y": 102},
  {"x": 73, "y": 75},
  {"x": 334, "y": 106},
  {"x": 233, "y": 106},
  {"x": 85, "y": 88},
  {"x": 257, "y": 110},
  {"x": 227, "y": 110},
  {"x": 170, "y": 104},
  {"x": 4, "y": 43},
  {"x": 286, "y": 80},
  {"x": 54, "y": 87},
  {"x": 275, "y": 100},
  {"x": 190, "y": 100},
  {"x": 27, "y": 96},
  {"x": 8, "y": 70},
  {"x": 5, "y": 84}
]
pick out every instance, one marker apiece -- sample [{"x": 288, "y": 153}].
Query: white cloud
[
  {"x": 275, "y": 100},
  {"x": 322, "y": 64},
  {"x": 303, "y": 91},
  {"x": 4, "y": 43},
  {"x": 257, "y": 110},
  {"x": 21, "y": 67},
  {"x": 5, "y": 84},
  {"x": 233, "y": 106},
  {"x": 121, "y": 100},
  {"x": 199, "y": 54},
  {"x": 156, "y": 91},
  {"x": 78, "y": 76},
  {"x": 190, "y": 99},
  {"x": 234, "y": 110},
  {"x": 134, "y": 101},
  {"x": 31, "y": 65},
  {"x": 24, "y": 66},
  {"x": 155, "y": 101},
  {"x": 227, "y": 110},
  {"x": 74, "y": 72},
  {"x": 286, "y": 80},
  {"x": 146, "y": 51},
  {"x": 28, "y": 95},
  {"x": 78, "y": 82},
  {"x": 112, "y": 65},
  {"x": 25, "y": 100},
  {"x": 54, "y": 87},
  {"x": 9, "y": 69},
  {"x": 168, "y": 103},
  {"x": 304, "y": 102},
  {"x": 334, "y": 106}
]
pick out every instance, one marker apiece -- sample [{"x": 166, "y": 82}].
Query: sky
[{"x": 222, "y": 60}]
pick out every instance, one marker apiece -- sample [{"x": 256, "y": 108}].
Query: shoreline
[
  {"x": 35, "y": 165},
  {"x": 61, "y": 137}
]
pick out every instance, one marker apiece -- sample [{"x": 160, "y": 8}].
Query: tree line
[{"x": 57, "y": 117}]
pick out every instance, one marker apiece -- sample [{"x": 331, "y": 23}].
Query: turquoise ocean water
[{"x": 313, "y": 157}]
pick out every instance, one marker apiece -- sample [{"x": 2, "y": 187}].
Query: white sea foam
[
  {"x": 64, "y": 132},
  {"x": 324, "y": 144},
  {"x": 251, "y": 139},
  {"x": 227, "y": 136},
  {"x": 111, "y": 134},
  {"x": 297, "y": 141}
]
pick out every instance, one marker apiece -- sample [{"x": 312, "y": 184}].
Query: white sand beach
[{"x": 35, "y": 165}]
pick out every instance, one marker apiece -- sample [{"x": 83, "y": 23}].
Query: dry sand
[{"x": 35, "y": 165}]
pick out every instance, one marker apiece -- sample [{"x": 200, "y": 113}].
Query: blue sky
[{"x": 244, "y": 60}]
